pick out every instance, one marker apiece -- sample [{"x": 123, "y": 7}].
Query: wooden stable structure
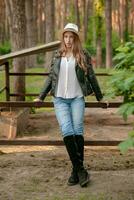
[{"x": 4, "y": 61}]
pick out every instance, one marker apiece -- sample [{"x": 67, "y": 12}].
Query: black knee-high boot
[
  {"x": 79, "y": 174},
  {"x": 71, "y": 147},
  {"x": 80, "y": 144}
]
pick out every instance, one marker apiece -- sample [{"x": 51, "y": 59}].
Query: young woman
[{"x": 70, "y": 79}]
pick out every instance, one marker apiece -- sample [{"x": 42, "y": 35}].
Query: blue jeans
[{"x": 70, "y": 115}]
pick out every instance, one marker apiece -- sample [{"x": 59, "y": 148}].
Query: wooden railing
[
  {"x": 30, "y": 51},
  {"x": 4, "y": 60}
]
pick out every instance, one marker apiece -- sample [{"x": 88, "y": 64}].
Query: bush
[
  {"x": 5, "y": 48},
  {"x": 122, "y": 84}
]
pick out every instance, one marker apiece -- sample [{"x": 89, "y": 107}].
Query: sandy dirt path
[{"x": 41, "y": 173}]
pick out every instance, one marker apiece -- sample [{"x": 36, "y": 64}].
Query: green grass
[{"x": 2, "y": 84}]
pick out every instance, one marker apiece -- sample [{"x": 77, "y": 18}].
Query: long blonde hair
[{"x": 76, "y": 50}]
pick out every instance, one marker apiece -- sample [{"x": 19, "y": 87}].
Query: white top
[{"x": 68, "y": 85}]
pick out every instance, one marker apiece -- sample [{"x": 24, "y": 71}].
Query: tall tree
[
  {"x": 16, "y": 16},
  {"x": 77, "y": 14},
  {"x": 2, "y": 22},
  {"x": 63, "y": 13},
  {"x": 58, "y": 14},
  {"x": 86, "y": 18},
  {"x": 50, "y": 24},
  {"x": 116, "y": 17},
  {"x": 94, "y": 26},
  {"x": 132, "y": 17},
  {"x": 108, "y": 10},
  {"x": 41, "y": 20},
  {"x": 35, "y": 19},
  {"x": 31, "y": 33},
  {"x": 99, "y": 8},
  {"x": 124, "y": 20},
  {"x": 66, "y": 4}
]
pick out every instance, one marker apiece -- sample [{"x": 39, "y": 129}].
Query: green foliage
[
  {"x": 122, "y": 84},
  {"x": 71, "y": 17},
  {"x": 5, "y": 48},
  {"x": 97, "y": 23},
  {"x": 99, "y": 7},
  {"x": 40, "y": 58},
  {"x": 91, "y": 47},
  {"x": 128, "y": 143},
  {"x": 89, "y": 43},
  {"x": 126, "y": 109},
  {"x": 2, "y": 84},
  {"x": 125, "y": 56},
  {"x": 115, "y": 42}
]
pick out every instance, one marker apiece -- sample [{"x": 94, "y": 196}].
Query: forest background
[{"x": 103, "y": 24}]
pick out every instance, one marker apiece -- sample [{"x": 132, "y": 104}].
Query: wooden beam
[
  {"x": 26, "y": 94},
  {"x": 50, "y": 104},
  {"x": 28, "y": 74},
  {"x": 7, "y": 81},
  {"x": 57, "y": 142},
  {"x": 2, "y": 89},
  {"x": 30, "y": 51},
  {"x": 46, "y": 74}
]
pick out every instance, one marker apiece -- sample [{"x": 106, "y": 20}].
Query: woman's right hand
[{"x": 37, "y": 100}]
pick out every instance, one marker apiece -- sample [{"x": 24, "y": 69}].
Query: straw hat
[{"x": 71, "y": 27}]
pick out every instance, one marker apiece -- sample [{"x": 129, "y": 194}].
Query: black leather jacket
[{"x": 88, "y": 83}]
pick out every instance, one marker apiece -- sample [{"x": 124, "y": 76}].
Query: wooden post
[{"x": 7, "y": 82}]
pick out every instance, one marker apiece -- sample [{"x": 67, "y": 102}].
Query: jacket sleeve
[
  {"x": 92, "y": 78},
  {"x": 47, "y": 85}
]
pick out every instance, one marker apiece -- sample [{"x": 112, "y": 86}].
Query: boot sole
[
  {"x": 71, "y": 184},
  {"x": 84, "y": 184}
]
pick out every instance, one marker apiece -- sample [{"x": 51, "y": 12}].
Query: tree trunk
[
  {"x": 99, "y": 20},
  {"x": 77, "y": 15},
  {"x": 99, "y": 51},
  {"x": 84, "y": 21},
  {"x": 65, "y": 12},
  {"x": 16, "y": 16},
  {"x": 126, "y": 34},
  {"x": 94, "y": 35},
  {"x": 87, "y": 11},
  {"x": 35, "y": 13},
  {"x": 132, "y": 18},
  {"x": 108, "y": 10},
  {"x": 115, "y": 17},
  {"x": 2, "y": 22},
  {"x": 58, "y": 14},
  {"x": 30, "y": 32},
  {"x": 86, "y": 18},
  {"x": 41, "y": 21},
  {"x": 50, "y": 24},
  {"x": 124, "y": 20},
  {"x": 62, "y": 14}
]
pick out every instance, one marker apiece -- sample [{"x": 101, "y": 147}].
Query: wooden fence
[{"x": 4, "y": 61}]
